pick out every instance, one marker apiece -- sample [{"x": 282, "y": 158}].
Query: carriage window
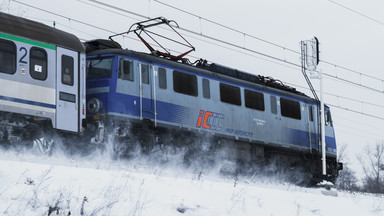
[
  {"x": 67, "y": 67},
  {"x": 67, "y": 97},
  {"x": 162, "y": 78},
  {"x": 310, "y": 113},
  {"x": 290, "y": 108},
  {"x": 98, "y": 68},
  {"x": 7, "y": 57},
  {"x": 185, "y": 83},
  {"x": 273, "y": 105},
  {"x": 230, "y": 94},
  {"x": 125, "y": 69},
  {"x": 254, "y": 100},
  {"x": 144, "y": 73},
  {"x": 206, "y": 89},
  {"x": 38, "y": 63}
]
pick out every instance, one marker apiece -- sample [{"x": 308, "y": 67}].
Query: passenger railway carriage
[{"x": 42, "y": 77}]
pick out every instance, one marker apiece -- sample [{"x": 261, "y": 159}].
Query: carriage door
[
  {"x": 146, "y": 96},
  {"x": 67, "y": 111}
]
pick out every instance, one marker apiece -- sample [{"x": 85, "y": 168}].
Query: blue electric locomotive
[{"x": 255, "y": 117}]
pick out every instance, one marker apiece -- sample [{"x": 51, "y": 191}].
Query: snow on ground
[{"x": 32, "y": 185}]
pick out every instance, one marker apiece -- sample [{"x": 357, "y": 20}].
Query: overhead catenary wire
[
  {"x": 342, "y": 97},
  {"x": 84, "y": 2},
  {"x": 358, "y": 129},
  {"x": 59, "y": 15},
  {"x": 357, "y": 135},
  {"x": 357, "y": 12},
  {"x": 119, "y": 9},
  {"x": 352, "y": 71},
  {"x": 355, "y": 111},
  {"x": 227, "y": 27},
  {"x": 345, "y": 108},
  {"x": 353, "y": 121},
  {"x": 61, "y": 24}
]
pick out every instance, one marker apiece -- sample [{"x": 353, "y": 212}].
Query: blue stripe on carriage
[{"x": 29, "y": 102}]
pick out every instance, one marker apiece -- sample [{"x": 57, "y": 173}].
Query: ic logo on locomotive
[{"x": 209, "y": 120}]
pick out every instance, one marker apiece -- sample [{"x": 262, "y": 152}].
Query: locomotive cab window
[
  {"x": 99, "y": 68},
  {"x": 290, "y": 108},
  {"x": 7, "y": 57},
  {"x": 125, "y": 69},
  {"x": 328, "y": 119},
  {"x": 67, "y": 67},
  {"x": 185, "y": 83},
  {"x": 38, "y": 63},
  {"x": 162, "y": 78},
  {"x": 230, "y": 94},
  {"x": 254, "y": 100}
]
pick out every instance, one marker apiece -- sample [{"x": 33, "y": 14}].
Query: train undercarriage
[
  {"x": 20, "y": 131},
  {"x": 206, "y": 150}
]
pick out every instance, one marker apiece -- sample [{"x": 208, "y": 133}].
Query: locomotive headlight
[{"x": 93, "y": 105}]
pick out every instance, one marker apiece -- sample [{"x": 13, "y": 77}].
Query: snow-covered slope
[{"x": 31, "y": 185}]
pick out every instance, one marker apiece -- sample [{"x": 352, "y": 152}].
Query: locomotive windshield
[{"x": 97, "y": 68}]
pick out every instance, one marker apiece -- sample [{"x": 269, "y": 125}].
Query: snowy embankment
[{"x": 31, "y": 185}]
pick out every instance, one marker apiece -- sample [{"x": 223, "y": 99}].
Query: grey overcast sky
[{"x": 350, "y": 32}]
